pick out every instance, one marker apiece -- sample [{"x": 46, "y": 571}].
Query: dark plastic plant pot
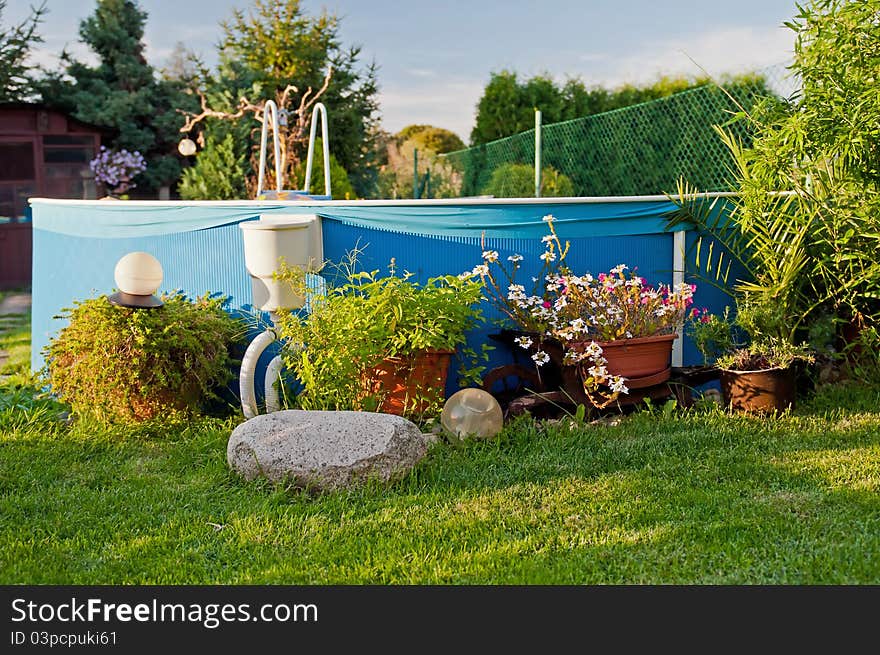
[{"x": 767, "y": 391}]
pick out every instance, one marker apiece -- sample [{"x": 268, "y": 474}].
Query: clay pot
[
  {"x": 411, "y": 384},
  {"x": 640, "y": 357},
  {"x": 770, "y": 390}
]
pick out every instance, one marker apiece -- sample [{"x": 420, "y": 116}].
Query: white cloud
[{"x": 730, "y": 50}]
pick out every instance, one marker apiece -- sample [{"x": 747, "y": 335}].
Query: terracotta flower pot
[
  {"x": 640, "y": 357},
  {"x": 770, "y": 390},
  {"x": 411, "y": 384},
  {"x": 643, "y": 361}
]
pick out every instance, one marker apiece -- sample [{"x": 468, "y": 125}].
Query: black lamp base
[{"x": 122, "y": 299}]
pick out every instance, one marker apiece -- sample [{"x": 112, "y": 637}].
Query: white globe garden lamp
[{"x": 138, "y": 276}]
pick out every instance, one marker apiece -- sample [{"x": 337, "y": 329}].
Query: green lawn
[{"x": 698, "y": 497}]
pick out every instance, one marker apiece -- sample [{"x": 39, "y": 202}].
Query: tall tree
[
  {"x": 276, "y": 46},
  {"x": 122, "y": 91},
  {"x": 508, "y": 106},
  {"x": 16, "y": 81}
]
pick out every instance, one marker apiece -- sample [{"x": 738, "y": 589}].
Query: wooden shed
[{"x": 43, "y": 153}]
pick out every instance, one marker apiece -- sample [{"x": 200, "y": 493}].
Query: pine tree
[
  {"x": 16, "y": 82},
  {"x": 122, "y": 92}
]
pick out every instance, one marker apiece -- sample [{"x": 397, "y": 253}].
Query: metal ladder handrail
[
  {"x": 325, "y": 143},
  {"x": 271, "y": 110}
]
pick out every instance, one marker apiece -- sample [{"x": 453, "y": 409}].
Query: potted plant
[
  {"x": 607, "y": 333},
  {"x": 378, "y": 343},
  {"x": 756, "y": 374},
  {"x": 759, "y": 247}
]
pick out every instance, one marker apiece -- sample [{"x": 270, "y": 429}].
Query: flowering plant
[
  {"x": 581, "y": 311},
  {"x": 116, "y": 168}
]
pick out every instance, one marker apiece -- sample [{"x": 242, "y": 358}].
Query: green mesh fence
[{"x": 643, "y": 149}]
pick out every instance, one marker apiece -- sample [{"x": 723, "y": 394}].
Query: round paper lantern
[{"x": 186, "y": 147}]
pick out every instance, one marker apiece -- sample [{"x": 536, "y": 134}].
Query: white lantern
[
  {"x": 186, "y": 147},
  {"x": 472, "y": 412},
  {"x": 138, "y": 276}
]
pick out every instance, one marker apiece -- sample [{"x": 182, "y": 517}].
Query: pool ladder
[{"x": 271, "y": 111}]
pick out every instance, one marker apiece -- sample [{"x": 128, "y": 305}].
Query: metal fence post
[{"x": 537, "y": 153}]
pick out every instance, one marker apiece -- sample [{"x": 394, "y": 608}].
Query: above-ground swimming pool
[{"x": 78, "y": 242}]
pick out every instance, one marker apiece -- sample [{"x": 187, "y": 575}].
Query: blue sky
[{"x": 435, "y": 58}]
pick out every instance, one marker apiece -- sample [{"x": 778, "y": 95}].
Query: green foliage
[
  {"x": 16, "y": 79},
  {"x": 218, "y": 174},
  {"x": 428, "y": 137},
  {"x": 518, "y": 181},
  {"x": 121, "y": 92},
  {"x": 805, "y": 226},
  {"x": 129, "y": 365},
  {"x": 508, "y": 106},
  {"x": 632, "y": 149},
  {"x": 353, "y": 326},
  {"x": 711, "y": 334},
  {"x": 436, "y": 177},
  {"x": 276, "y": 44}
]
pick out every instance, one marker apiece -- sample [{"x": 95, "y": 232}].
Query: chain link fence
[{"x": 639, "y": 150}]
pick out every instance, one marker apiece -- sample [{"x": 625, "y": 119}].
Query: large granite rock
[{"x": 325, "y": 450}]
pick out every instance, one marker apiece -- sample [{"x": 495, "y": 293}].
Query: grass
[
  {"x": 697, "y": 497},
  {"x": 15, "y": 339}
]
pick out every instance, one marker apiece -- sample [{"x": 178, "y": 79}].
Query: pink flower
[{"x": 546, "y": 304}]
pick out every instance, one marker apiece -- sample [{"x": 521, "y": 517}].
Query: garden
[{"x": 114, "y": 458}]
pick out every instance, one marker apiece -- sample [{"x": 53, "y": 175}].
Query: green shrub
[
  {"x": 518, "y": 181},
  {"x": 218, "y": 174},
  {"x": 128, "y": 365},
  {"x": 353, "y": 327}
]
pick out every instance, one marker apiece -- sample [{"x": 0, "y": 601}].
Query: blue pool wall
[{"x": 69, "y": 267}]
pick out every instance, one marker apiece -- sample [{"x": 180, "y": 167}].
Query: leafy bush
[
  {"x": 128, "y": 365},
  {"x": 518, "y": 181},
  {"x": 354, "y": 326},
  {"x": 219, "y": 173}
]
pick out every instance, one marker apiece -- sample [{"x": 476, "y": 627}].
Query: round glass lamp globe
[
  {"x": 138, "y": 273},
  {"x": 186, "y": 147},
  {"x": 472, "y": 412}
]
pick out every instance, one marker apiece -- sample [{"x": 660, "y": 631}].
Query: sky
[{"x": 435, "y": 58}]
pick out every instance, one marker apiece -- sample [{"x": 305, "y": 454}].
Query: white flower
[
  {"x": 620, "y": 268},
  {"x": 548, "y": 218},
  {"x": 480, "y": 269},
  {"x": 618, "y": 385},
  {"x": 548, "y": 256},
  {"x": 490, "y": 256},
  {"x": 598, "y": 371},
  {"x": 540, "y": 358},
  {"x": 516, "y": 292},
  {"x": 594, "y": 350},
  {"x": 578, "y": 325},
  {"x": 466, "y": 275},
  {"x": 515, "y": 258},
  {"x": 546, "y": 238},
  {"x": 573, "y": 357},
  {"x": 523, "y": 342}
]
